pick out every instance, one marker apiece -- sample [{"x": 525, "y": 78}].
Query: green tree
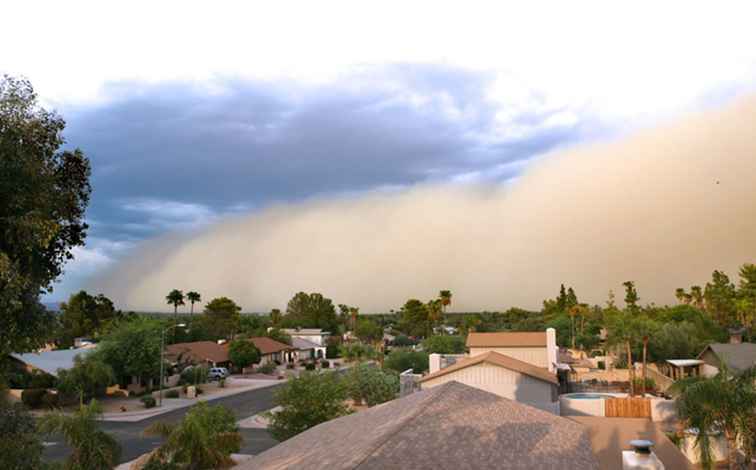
[
  {"x": 311, "y": 311},
  {"x": 20, "y": 444},
  {"x": 697, "y": 297},
  {"x": 682, "y": 296},
  {"x": 85, "y": 315},
  {"x": 724, "y": 402},
  {"x": 175, "y": 298},
  {"x": 368, "y": 331},
  {"x": 92, "y": 448},
  {"x": 400, "y": 360},
  {"x": 719, "y": 295},
  {"x": 133, "y": 350},
  {"x": 222, "y": 317},
  {"x": 572, "y": 299},
  {"x": 445, "y": 296},
  {"x": 622, "y": 334},
  {"x": 631, "y": 296},
  {"x": 243, "y": 353},
  {"x": 644, "y": 329},
  {"x": 193, "y": 297},
  {"x": 44, "y": 193},
  {"x": 306, "y": 401},
  {"x": 204, "y": 439},
  {"x": 414, "y": 318},
  {"x": 356, "y": 351},
  {"x": 275, "y": 317},
  {"x": 444, "y": 344},
  {"x": 371, "y": 385},
  {"x": 434, "y": 315},
  {"x": 89, "y": 377}
]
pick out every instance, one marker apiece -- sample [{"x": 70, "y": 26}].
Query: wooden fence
[{"x": 627, "y": 407}]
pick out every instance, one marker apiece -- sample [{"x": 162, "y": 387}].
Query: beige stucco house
[
  {"x": 534, "y": 347},
  {"x": 502, "y": 375}
]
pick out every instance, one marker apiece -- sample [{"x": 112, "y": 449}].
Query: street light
[{"x": 162, "y": 361}]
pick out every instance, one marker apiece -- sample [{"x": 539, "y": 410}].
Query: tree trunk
[
  {"x": 191, "y": 310},
  {"x": 630, "y": 368},
  {"x": 643, "y": 373},
  {"x": 572, "y": 325},
  {"x": 732, "y": 451}
]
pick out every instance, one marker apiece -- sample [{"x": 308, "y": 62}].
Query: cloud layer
[{"x": 664, "y": 208}]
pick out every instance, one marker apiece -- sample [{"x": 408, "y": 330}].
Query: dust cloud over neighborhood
[{"x": 663, "y": 207}]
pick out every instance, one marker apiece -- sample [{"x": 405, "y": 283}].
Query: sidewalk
[{"x": 170, "y": 404}]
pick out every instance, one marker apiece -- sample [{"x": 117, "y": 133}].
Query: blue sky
[{"x": 195, "y": 114}]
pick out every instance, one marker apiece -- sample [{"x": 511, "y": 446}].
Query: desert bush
[
  {"x": 371, "y": 385},
  {"x": 325, "y": 364},
  {"x": 194, "y": 375},
  {"x": 267, "y": 368},
  {"x": 310, "y": 366},
  {"x": 148, "y": 401}
]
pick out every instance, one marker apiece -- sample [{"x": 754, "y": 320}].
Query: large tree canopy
[
  {"x": 84, "y": 315},
  {"x": 43, "y": 195},
  {"x": 311, "y": 311}
]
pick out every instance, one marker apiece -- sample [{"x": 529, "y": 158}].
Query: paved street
[{"x": 133, "y": 444}]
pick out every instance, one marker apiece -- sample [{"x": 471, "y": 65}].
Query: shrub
[
  {"x": 199, "y": 390},
  {"x": 650, "y": 384},
  {"x": 332, "y": 351},
  {"x": 89, "y": 377},
  {"x": 289, "y": 365},
  {"x": 357, "y": 351},
  {"x": 369, "y": 384},
  {"x": 173, "y": 393},
  {"x": 149, "y": 401},
  {"x": 20, "y": 443},
  {"x": 194, "y": 375},
  {"x": 32, "y": 397},
  {"x": 403, "y": 341},
  {"x": 601, "y": 365},
  {"x": 267, "y": 368},
  {"x": 325, "y": 364},
  {"x": 310, "y": 366},
  {"x": 307, "y": 401},
  {"x": 400, "y": 360}
]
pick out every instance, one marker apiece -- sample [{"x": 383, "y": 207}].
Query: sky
[{"x": 193, "y": 113}]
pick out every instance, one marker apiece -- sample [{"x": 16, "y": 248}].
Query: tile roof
[
  {"x": 268, "y": 345},
  {"x": 51, "y": 361},
  {"x": 738, "y": 357},
  {"x": 506, "y": 339},
  {"x": 198, "y": 351},
  {"x": 610, "y": 436},
  {"x": 500, "y": 360},
  {"x": 449, "y": 427}
]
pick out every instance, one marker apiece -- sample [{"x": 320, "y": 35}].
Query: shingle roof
[
  {"x": 198, "y": 351},
  {"x": 500, "y": 360},
  {"x": 269, "y": 346},
  {"x": 452, "y": 426},
  {"x": 302, "y": 344},
  {"x": 610, "y": 436},
  {"x": 506, "y": 339},
  {"x": 51, "y": 361},
  {"x": 738, "y": 357}
]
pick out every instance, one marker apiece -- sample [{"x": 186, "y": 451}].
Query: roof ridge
[{"x": 421, "y": 409}]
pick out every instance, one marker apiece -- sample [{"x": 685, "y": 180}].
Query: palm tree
[
  {"x": 175, "y": 298},
  {"x": 434, "y": 313},
  {"x": 193, "y": 297},
  {"x": 643, "y": 331},
  {"x": 204, "y": 439},
  {"x": 724, "y": 402},
  {"x": 446, "y": 298},
  {"x": 92, "y": 448},
  {"x": 621, "y": 331},
  {"x": 353, "y": 312}
]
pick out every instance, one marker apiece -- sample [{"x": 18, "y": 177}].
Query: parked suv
[{"x": 217, "y": 373}]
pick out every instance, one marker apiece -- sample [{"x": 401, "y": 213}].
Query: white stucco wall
[
  {"x": 533, "y": 355},
  {"x": 503, "y": 382}
]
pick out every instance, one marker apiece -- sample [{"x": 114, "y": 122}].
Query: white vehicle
[{"x": 217, "y": 373}]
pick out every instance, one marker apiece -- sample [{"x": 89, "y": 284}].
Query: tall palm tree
[
  {"x": 193, "y": 297},
  {"x": 353, "y": 313},
  {"x": 724, "y": 402},
  {"x": 204, "y": 439},
  {"x": 434, "y": 313},
  {"x": 175, "y": 298},
  {"x": 92, "y": 448},
  {"x": 643, "y": 328}
]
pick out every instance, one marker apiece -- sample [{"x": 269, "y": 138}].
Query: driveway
[{"x": 133, "y": 444}]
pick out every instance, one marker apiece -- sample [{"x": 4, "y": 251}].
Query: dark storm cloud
[{"x": 176, "y": 153}]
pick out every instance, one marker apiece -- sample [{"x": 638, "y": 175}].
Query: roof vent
[{"x": 641, "y": 457}]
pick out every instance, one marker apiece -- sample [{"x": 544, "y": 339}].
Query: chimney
[
  {"x": 641, "y": 457},
  {"x": 736, "y": 335},
  {"x": 551, "y": 349},
  {"x": 434, "y": 362}
]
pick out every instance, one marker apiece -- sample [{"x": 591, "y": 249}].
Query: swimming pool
[
  {"x": 587, "y": 396},
  {"x": 583, "y": 404}
]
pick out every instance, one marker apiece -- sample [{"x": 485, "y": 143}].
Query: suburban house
[
  {"x": 272, "y": 350},
  {"x": 207, "y": 353},
  {"x": 304, "y": 349},
  {"x": 737, "y": 355},
  {"x": 534, "y": 347},
  {"x": 452, "y": 426},
  {"x": 313, "y": 335},
  {"x": 502, "y": 375},
  {"x": 50, "y": 362}
]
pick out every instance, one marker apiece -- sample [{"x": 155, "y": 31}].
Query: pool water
[{"x": 587, "y": 396}]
